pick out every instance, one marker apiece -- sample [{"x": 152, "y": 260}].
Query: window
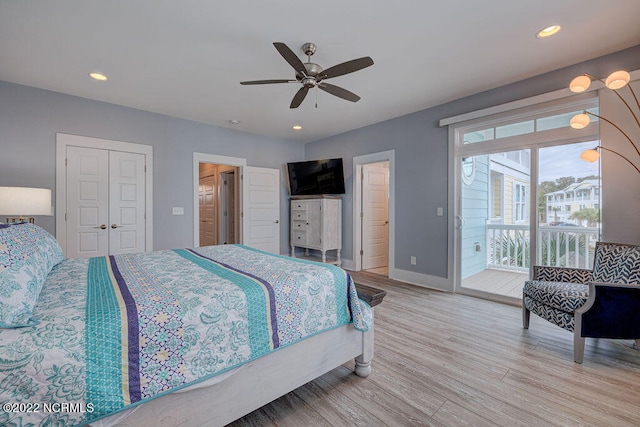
[
  {"x": 520, "y": 197},
  {"x": 526, "y": 125},
  {"x": 468, "y": 169},
  {"x": 528, "y": 173}
]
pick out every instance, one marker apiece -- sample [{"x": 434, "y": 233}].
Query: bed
[{"x": 174, "y": 337}]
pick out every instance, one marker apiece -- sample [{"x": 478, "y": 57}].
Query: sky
[{"x": 564, "y": 160}]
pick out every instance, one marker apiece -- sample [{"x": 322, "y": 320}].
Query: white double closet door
[{"x": 105, "y": 202}]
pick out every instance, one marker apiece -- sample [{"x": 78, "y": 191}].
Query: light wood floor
[{"x": 451, "y": 360}]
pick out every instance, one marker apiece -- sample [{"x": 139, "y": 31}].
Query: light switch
[
  {"x": 439, "y": 211},
  {"x": 178, "y": 210}
]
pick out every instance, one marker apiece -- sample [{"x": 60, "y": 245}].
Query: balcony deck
[{"x": 496, "y": 281}]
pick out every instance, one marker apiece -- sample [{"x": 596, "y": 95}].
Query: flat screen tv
[{"x": 316, "y": 177}]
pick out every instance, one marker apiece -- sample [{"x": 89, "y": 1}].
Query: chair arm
[
  {"x": 611, "y": 311},
  {"x": 562, "y": 274}
]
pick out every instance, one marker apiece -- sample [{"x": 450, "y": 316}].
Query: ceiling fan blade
[
  {"x": 345, "y": 68},
  {"x": 339, "y": 92},
  {"x": 266, "y": 82},
  {"x": 290, "y": 57},
  {"x": 299, "y": 97}
]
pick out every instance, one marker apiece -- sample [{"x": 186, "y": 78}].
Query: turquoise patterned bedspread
[{"x": 120, "y": 330}]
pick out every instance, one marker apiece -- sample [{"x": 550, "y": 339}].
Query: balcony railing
[{"x": 509, "y": 246}]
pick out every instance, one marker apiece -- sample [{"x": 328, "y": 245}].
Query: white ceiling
[{"x": 185, "y": 58}]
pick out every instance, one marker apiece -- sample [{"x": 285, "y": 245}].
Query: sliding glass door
[
  {"x": 495, "y": 224},
  {"x": 523, "y": 197},
  {"x": 568, "y": 207}
]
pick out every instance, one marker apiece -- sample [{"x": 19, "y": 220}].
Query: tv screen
[{"x": 316, "y": 177}]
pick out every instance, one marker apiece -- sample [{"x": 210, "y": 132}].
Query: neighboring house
[
  {"x": 563, "y": 203},
  {"x": 510, "y": 177}
]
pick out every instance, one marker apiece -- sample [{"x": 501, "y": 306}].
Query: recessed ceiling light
[
  {"x": 297, "y": 127},
  {"x": 98, "y": 76},
  {"x": 234, "y": 122},
  {"x": 548, "y": 32}
]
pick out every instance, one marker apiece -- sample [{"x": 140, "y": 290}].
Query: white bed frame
[{"x": 259, "y": 382}]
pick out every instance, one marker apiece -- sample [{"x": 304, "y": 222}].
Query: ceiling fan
[{"x": 312, "y": 75}]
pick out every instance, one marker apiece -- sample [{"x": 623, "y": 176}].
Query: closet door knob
[
  {"x": 103, "y": 227},
  {"x": 114, "y": 226},
  {"x": 277, "y": 221}
]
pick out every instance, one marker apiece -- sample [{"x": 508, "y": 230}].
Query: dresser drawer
[
  {"x": 299, "y": 238},
  {"x": 299, "y": 225},
  {"x": 299, "y": 215}
]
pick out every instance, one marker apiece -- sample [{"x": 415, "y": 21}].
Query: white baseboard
[
  {"x": 411, "y": 277},
  {"x": 419, "y": 279}
]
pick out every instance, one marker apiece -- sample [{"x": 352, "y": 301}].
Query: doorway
[
  {"x": 374, "y": 205},
  {"x": 373, "y": 213},
  {"x": 218, "y": 204},
  {"x": 256, "y": 202}
]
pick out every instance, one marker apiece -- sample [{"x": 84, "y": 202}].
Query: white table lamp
[{"x": 17, "y": 202}]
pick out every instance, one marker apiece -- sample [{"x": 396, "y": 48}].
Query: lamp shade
[
  {"x": 25, "y": 201},
  {"x": 590, "y": 155},
  {"x": 579, "y": 121},
  {"x": 617, "y": 79},
  {"x": 580, "y": 84}
]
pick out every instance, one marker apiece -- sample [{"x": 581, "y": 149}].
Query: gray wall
[
  {"x": 422, "y": 156},
  {"x": 30, "y": 119}
]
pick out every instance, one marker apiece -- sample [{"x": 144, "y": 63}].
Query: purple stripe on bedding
[
  {"x": 267, "y": 286},
  {"x": 133, "y": 344}
]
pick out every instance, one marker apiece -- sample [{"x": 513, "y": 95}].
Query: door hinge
[
  {"x": 241, "y": 176},
  {"x": 145, "y": 168},
  {"x": 145, "y": 216},
  {"x": 65, "y": 216},
  {"x": 66, "y": 161},
  {"x": 361, "y": 214},
  {"x": 241, "y": 214},
  {"x": 361, "y": 252}
]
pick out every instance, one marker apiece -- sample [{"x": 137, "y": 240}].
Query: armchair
[{"x": 599, "y": 303}]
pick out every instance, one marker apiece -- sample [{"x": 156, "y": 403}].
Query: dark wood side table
[{"x": 372, "y": 296}]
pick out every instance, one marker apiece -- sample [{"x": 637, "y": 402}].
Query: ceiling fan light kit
[{"x": 312, "y": 75}]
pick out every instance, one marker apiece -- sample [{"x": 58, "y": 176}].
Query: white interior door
[
  {"x": 228, "y": 208},
  {"x": 261, "y": 208},
  {"x": 87, "y": 202},
  {"x": 105, "y": 202},
  {"x": 126, "y": 202},
  {"x": 375, "y": 220},
  {"x": 208, "y": 211}
]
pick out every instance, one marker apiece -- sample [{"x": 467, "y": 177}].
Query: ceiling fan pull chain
[{"x": 316, "y": 96}]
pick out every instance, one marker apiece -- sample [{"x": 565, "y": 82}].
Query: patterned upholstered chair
[{"x": 599, "y": 303}]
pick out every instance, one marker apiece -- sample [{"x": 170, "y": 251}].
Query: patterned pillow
[{"x": 27, "y": 255}]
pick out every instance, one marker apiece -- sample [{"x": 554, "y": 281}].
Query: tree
[
  {"x": 591, "y": 215},
  {"x": 564, "y": 182},
  {"x": 543, "y": 188}
]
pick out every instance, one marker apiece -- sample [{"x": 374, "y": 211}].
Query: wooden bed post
[{"x": 363, "y": 361}]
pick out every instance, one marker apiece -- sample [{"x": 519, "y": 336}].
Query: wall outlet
[
  {"x": 413, "y": 260},
  {"x": 178, "y": 210}
]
